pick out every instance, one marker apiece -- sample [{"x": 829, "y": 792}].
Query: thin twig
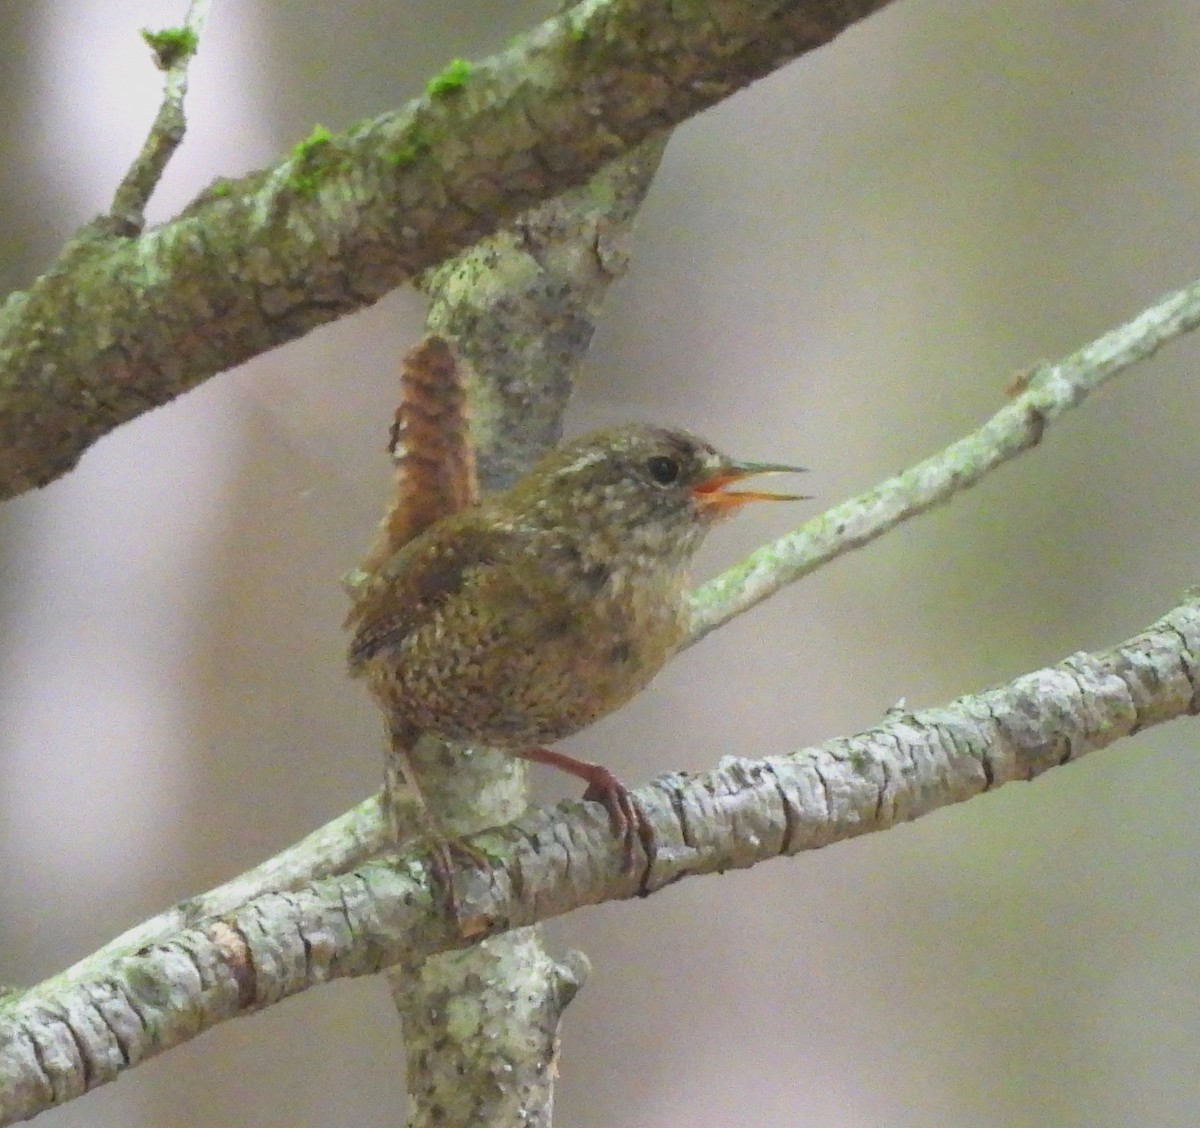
[
  {"x": 174, "y": 51},
  {"x": 1047, "y": 392}
]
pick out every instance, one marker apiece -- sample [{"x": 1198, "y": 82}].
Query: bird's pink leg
[{"x": 602, "y": 787}]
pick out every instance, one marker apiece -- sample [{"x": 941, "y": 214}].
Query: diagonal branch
[
  {"x": 119, "y": 326},
  {"x": 66, "y": 1037},
  {"x": 1047, "y": 391},
  {"x": 339, "y": 845}
]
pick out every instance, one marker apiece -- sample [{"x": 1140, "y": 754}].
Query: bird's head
[{"x": 640, "y": 488}]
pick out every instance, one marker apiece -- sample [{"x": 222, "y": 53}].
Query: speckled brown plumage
[{"x": 528, "y": 616}]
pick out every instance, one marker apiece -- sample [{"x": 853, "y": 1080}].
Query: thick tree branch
[
  {"x": 66, "y": 1037},
  {"x": 121, "y": 325},
  {"x": 522, "y": 305}
]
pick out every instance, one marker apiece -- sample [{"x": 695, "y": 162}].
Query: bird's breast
[{"x": 530, "y": 660}]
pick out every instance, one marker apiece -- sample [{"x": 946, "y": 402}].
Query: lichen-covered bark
[
  {"x": 520, "y": 307},
  {"x": 1043, "y": 395},
  {"x": 120, "y": 325},
  {"x": 481, "y": 1032},
  {"x": 70, "y": 1035}
]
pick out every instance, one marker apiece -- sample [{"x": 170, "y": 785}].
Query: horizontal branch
[
  {"x": 1046, "y": 392},
  {"x": 120, "y": 325},
  {"x": 66, "y": 1037}
]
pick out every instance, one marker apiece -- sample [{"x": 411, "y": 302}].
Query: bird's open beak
[{"x": 714, "y": 497}]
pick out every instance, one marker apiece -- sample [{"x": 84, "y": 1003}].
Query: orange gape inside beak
[{"x": 711, "y": 493}]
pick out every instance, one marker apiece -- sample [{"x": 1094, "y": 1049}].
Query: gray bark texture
[
  {"x": 74, "y": 1033},
  {"x": 520, "y": 307},
  {"x": 507, "y": 193}
]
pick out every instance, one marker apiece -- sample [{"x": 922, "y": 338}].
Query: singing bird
[{"x": 529, "y": 615}]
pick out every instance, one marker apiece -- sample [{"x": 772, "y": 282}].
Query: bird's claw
[
  {"x": 442, "y": 855},
  {"x": 628, "y": 823}
]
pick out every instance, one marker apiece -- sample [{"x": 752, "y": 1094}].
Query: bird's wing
[{"x": 408, "y": 589}]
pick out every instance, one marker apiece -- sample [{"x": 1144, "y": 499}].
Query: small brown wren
[{"x": 526, "y": 617}]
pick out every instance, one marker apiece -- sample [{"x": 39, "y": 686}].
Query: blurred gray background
[{"x": 842, "y": 266}]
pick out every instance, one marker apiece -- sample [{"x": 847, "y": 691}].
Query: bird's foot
[
  {"x": 628, "y": 822},
  {"x": 446, "y": 856}
]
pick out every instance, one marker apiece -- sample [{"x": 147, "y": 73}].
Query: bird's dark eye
[{"x": 663, "y": 469}]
